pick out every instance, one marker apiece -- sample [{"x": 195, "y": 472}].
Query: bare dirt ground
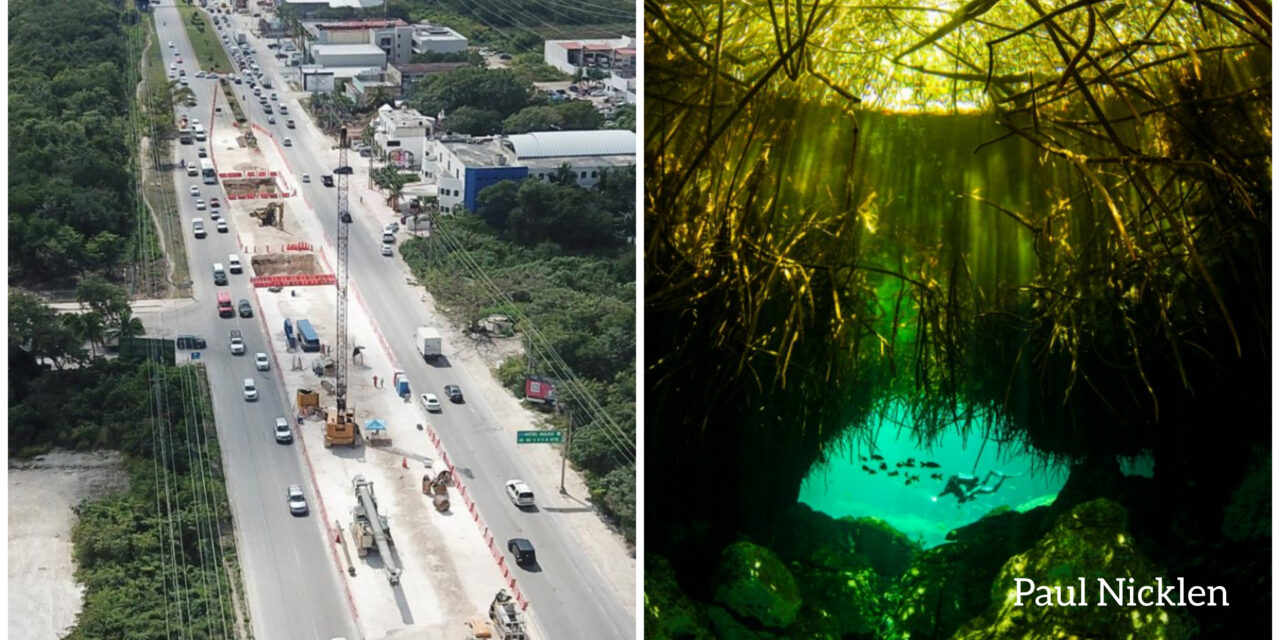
[{"x": 44, "y": 598}]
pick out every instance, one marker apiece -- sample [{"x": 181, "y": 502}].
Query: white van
[
  {"x": 219, "y": 274},
  {"x": 233, "y": 263}
]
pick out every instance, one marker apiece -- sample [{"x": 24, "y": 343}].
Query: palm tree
[{"x": 126, "y": 326}]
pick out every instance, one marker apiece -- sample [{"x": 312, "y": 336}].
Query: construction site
[{"x": 417, "y": 563}]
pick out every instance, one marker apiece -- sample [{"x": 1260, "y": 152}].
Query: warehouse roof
[{"x": 564, "y": 144}]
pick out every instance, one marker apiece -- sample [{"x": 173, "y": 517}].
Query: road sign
[{"x": 539, "y": 437}]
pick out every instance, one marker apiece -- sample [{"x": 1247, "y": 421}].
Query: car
[
  {"x": 281, "y": 56},
  {"x": 261, "y": 361},
  {"x": 388, "y": 250},
  {"x": 297, "y": 501},
  {"x": 306, "y": 177},
  {"x": 391, "y": 227},
  {"x": 173, "y": 76},
  {"x": 257, "y": 91},
  {"x": 246, "y": 309},
  {"x": 221, "y": 225},
  {"x": 235, "y": 341},
  {"x": 454, "y": 392},
  {"x": 523, "y": 551},
  {"x": 519, "y": 493},
  {"x": 289, "y": 123},
  {"x": 182, "y": 72},
  {"x": 171, "y": 44},
  {"x": 214, "y": 204},
  {"x": 430, "y": 402},
  {"x": 179, "y": 59},
  {"x": 505, "y": 56},
  {"x": 215, "y": 214},
  {"x": 271, "y": 119},
  {"x": 199, "y": 205},
  {"x": 195, "y": 121},
  {"x": 184, "y": 82},
  {"x": 202, "y": 152},
  {"x": 197, "y": 227},
  {"x": 191, "y": 342},
  {"x": 326, "y": 179},
  {"x": 272, "y": 45},
  {"x": 195, "y": 191},
  {"x": 273, "y": 96},
  {"x": 282, "y": 430},
  {"x": 250, "y": 389},
  {"x": 173, "y": 66},
  {"x": 267, "y": 108},
  {"x": 288, "y": 142},
  {"x": 365, "y": 153}
]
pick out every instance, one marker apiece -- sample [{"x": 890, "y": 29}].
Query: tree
[
  {"x": 494, "y": 204},
  {"x": 625, "y": 117},
  {"x": 579, "y": 115},
  {"x": 532, "y": 119},
  {"x": 498, "y": 90},
  {"x": 472, "y": 121}
]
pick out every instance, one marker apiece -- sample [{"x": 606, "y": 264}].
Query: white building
[
  {"x": 462, "y": 167},
  {"x": 393, "y": 37},
  {"x": 436, "y": 38},
  {"x": 361, "y": 56},
  {"x": 616, "y": 59},
  {"x": 402, "y": 134}
]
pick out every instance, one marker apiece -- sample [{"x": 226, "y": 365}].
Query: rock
[
  {"x": 1092, "y": 540},
  {"x": 889, "y": 550},
  {"x": 753, "y": 583},
  {"x": 949, "y": 584},
  {"x": 843, "y": 601},
  {"x": 669, "y": 613},
  {"x": 730, "y": 628},
  {"x": 1248, "y": 515},
  {"x": 813, "y": 537}
]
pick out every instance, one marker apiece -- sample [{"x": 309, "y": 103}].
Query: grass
[{"x": 209, "y": 52}]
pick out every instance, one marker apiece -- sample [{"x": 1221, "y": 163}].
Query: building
[
  {"x": 370, "y": 84},
  {"x": 614, "y": 59},
  {"x": 403, "y": 75},
  {"x": 272, "y": 28},
  {"x": 402, "y": 135},
  {"x": 435, "y": 38},
  {"x": 306, "y": 8},
  {"x": 463, "y": 167},
  {"x": 393, "y": 37},
  {"x": 361, "y": 56}
]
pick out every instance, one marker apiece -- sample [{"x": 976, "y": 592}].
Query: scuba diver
[{"x": 966, "y": 487}]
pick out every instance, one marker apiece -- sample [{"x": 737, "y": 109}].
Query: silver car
[{"x": 297, "y": 501}]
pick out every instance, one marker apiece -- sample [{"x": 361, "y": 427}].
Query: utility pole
[{"x": 564, "y": 452}]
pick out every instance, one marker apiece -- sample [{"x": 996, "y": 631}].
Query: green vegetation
[
  {"x": 576, "y": 286},
  {"x": 204, "y": 39},
  {"x": 161, "y": 554},
  {"x": 72, "y": 206},
  {"x": 566, "y": 116},
  {"x": 480, "y": 102}
]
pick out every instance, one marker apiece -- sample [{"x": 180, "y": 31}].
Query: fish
[
  {"x": 867, "y": 469},
  {"x": 898, "y": 465},
  {"x": 870, "y": 471},
  {"x": 935, "y": 476},
  {"x": 930, "y": 465},
  {"x": 911, "y": 479},
  {"x": 893, "y": 473},
  {"x": 862, "y": 458},
  {"x": 876, "y": 456},
  {"x": 911, "y": 462},
  {"x": 884, "y": 467}
]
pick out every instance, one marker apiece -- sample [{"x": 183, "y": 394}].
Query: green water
[{"x": 843, "y": 488}]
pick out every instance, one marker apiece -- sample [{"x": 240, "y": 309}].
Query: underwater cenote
[{"x": 957, "y": 319}]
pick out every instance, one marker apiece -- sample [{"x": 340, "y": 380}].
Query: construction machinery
[
  {"x": 340, "y": 426},
  {"x": 369, "y": 528},
  {"x": 271, "y": 215},
  {"x": 506, "y": 617},
  {"x": 478, "y": 629}
]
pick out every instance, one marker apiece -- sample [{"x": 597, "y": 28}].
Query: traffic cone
[{"x": 404, "y": 461}]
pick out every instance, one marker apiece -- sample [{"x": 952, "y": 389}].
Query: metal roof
[{"x": 565, "y": 144}]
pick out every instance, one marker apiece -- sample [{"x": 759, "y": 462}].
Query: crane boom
[{"x": 343, "y": 173}]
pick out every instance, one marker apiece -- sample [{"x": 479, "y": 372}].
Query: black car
[
  {"x": 454, "y": 392},
  {"x": 191, "y": 342},
  {"x": 246, "y": 309},
  {"x": 523, "y": 551}
]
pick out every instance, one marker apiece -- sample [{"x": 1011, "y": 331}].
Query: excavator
[{"x": 271, "y": 215}]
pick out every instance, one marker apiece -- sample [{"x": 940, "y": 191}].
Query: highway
[
  {"x": 570, "y": 596},
  {"x": 292, "y": 585}
]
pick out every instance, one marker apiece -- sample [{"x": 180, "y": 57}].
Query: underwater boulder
[
  {"x": 729, "y": 627},
  {"x": 890, "y": 551},
  {"x": 1090, "y": 541},
  {"x": 753, "y": 583},
  {"x": 948, "y": 585},
  {"x": 1248, "y": 515},
  {"x": 843, "y": 601},
  {"x": 669, "y": 613}
]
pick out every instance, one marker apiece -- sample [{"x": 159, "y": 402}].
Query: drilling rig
[{"x": 340, "y": 424}]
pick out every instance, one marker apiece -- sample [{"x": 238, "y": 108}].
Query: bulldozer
[{"x": 271, "y": 215}]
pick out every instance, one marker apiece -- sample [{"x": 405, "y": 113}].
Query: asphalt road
[
  {"x": 292, "y": 584},
  {"x": 570, "y": 595}
]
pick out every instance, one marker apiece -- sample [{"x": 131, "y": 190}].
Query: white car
[
  {"x": 171, "y": 44},
  {"x": 387, "y": 250},
  {"x": 195, "y": 191},
  {"x": 430, "y": 402},
  {"x": 199, "y": 205},
  {"x": 197, "y": 227},
  {"x": 391, "y": 227},
  {"x": 173, "y": 66},
  {"x": 250, "y": 389},
  {"x": 288, "y": 142},
  {"x": 261, "y": 362},
  {"x": 297, "y": 501},
  {"x": 283, "y": 432},
  {"x": 222, "y": 226},
  {"x": 306, "y": 177},
  {"x": 519, "y": 493}
]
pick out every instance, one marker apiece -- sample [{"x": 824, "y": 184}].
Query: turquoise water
[{"x": 843, "y": 488}]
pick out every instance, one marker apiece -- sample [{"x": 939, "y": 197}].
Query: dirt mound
[
  {"x": 243, "y": 186},
  {"x": 286, "y": 264}
]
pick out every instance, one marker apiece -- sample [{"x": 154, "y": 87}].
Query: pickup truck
[{"x": 236, "y": 340}]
